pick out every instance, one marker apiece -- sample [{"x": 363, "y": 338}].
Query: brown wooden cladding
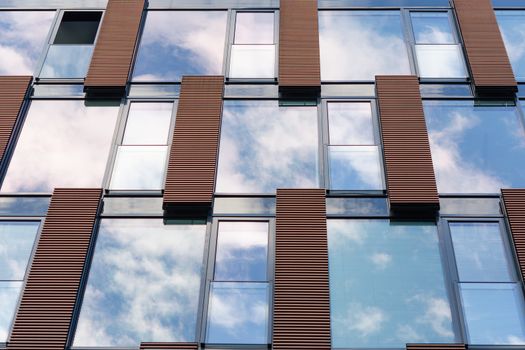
[
  {"x": 436, "y": 347},
  {"x": 113, "y": 54},
  {"x": 489, "y": 63},
  {"x": 190, "y": 178},
  {"x": 514, "y": 203},
  {"x": 13, "y": 90},
  {"x": 169, "y": 346},
  {"x": 301, "y": 312},
  {"x": 44, "y": 316},
  {"x": 299, "y": 59}
]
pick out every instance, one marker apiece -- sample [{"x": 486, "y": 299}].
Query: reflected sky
[
  {"x": 148, "y": 124},
  {"x": 475, "y": 149},
  {"x": 264, "y": 147},
  {"x": 386, "y": 285},
  {"x": 355, "y": 168},
  {"x": 176, "y": 43},
  {"x": 143, "y": 284},
  {"x": 440, "y": 61},
  {"x": 64, "y": 144},
  {"x": 67, "y": 61},
  {"x": 358, "y": 45},
  {"x": 252, "y": 61},
  {"x": 432, "y": 28},
  {"x": 350, "y": 123},
  {"x": 512, "y": 27},
  {"x": 254, "y": 28},
  {"x": 23, "y": 37},
  {"x": 16, "y": 243},
  {"x": 9, "y": 292}
]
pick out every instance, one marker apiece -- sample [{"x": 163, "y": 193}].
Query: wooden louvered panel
[
  {"x": 169, "y": 346},
  {"x": 190, "y": 178},
  {"x": 113, "y": 54},
  {"x": 301, "y": 314},
  {"x": 411, "y": 181},
  {"x": 13, "y": 90},
  {"x": 44, "y": 316},
  {"x": 514, "y": 202},
  {"x": 489, "y": 63},
  {"x": 436, "y": 347},
  {"x": 299, "y": 62}
]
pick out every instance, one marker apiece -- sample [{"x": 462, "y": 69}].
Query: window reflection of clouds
[
  {"x": 176, "y": 43},
  {"x": 264, "y": 147},
  {"x": 67, "y": 61},
  {"x": 23, "y": 37},
  {"x": 357, "y": 45},
  {"x": 143, "y": 284},
  {"x": 9, "y": 293},
  {"x": 512, "y": 26},
  {"x": 432, "y": 28},
  {"x": 62, "y": 144},
  {"x": 475, "y": 149},
  {"x": 386, "y": 279}
]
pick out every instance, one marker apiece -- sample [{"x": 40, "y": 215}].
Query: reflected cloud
[
  {"x": 364, "y": 320},
  {"x": 67, "y": 61},
  {"x": 16, "y": 244},
  {"x": 512, "y": 26},
  {"x": 381, "y": 260},
  {"x": 9, "y": 293}
]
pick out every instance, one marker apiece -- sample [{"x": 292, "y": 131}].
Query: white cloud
[
  {"x": 365, "y": 320},
  {"x": 381, "y": 260}
]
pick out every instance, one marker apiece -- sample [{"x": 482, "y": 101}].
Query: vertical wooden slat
[
  {"x": 301, "y": 314},
  {"x": 13, "y": 90},
  {"x": 169, "y": 346},
  {"x": 514, "y": 204},
  {"x": 190, "y": 179},
  {"x": 489, "y": 63},
  {"x": 411, "y": 181},
  {"x": 436, "y": 347},
  {"x": 113, "y": 55},
  {"x": 44, "y": 316},
  {"x": 299, "y": 59}
]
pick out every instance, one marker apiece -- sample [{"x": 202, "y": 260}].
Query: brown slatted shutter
[
  {"x": 13, "y": 90},
  {"x": 169, "y": 346},
  {"x": 111, "y": 63},
  {"x": 514, "y": 203},
  {"x": 489, "y": 63},
  {"x": 301, "y": 311},
  {"x": 411, "y": 181},
  {"x": 436, "y": 347},
  {"x": 190, "y": 179},
  {"x": 299, "y": 61},
  {"x": 48, "y": 300}
]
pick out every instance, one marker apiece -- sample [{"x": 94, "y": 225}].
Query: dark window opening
[{"x": 78, "y": 28}]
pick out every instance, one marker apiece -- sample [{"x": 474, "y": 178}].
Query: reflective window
[
  {"x": 253, "y": 49},
  {"x": 264, "y": 147},
  {"x": 23, "y": 37},
  {"x": 143, "y": 284},
  {"x": 177, "y": 43},
  {"x": 512, "y": 27},
  {"x": 358, "y": 45},
  {"x": 386, "y": 285},
  {"x": 475, "y": 146},
  {"x": 353, "y": 153},
  {"x": 148, "y": 124},
  {"x": 78, "y": 28},
  {"x": 16, "y": 243},
  {"x": 64, "y": 143}
]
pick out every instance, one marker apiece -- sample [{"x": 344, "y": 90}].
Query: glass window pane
[
  {"x": 378, "y": 45},
  {"x": 23, "y": 37},
  {"x": 480, "y": 252},
  {"x": 148, "y": 124},
  {"x": 24, "y": 206},
  {"x": 242, "y": 251},
  {"x": 432, "y": 28},
  {"x": 440, "y": 61},
  {"x": 139, "y": 168},
  {"x": 238, "y": 313},
  {"x": 254, "y": 28},
  {"x": 475, "y": 147},
  {"x": 16, "y": 243},
  {"x": 386, "y": 285},
  {"x": 512, "y": 26},
  {"x": 356, "y": 206},
  {"x": 252, "y": 61},
  {"x": 64, "y": 143},
  {"x": 264, "y": 147},
  {"x": 67, "y": 61},
  {"x": 9, "y": 293},
  {"x": 350, "y": 124},
  {"x": 355, "y": 168},
  {"x": 176, "y": 43},
  {"x": 493, "y": 313},
  {"x": 143, "y": 284},
  {"x": 244, "y": 205},
  {"x": 78, "y": 27}
]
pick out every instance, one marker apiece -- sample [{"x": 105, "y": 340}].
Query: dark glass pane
[
  {"x": 469, "y": 206},
  {"x": 244, "y": 205},
  {"x": 78, "y": 28},
  {"x": 24, "y": 206},
  {"x": 132, "y": 205},
  {"x": 356, "y": 206},
  {"x": 445, "y": 90}
]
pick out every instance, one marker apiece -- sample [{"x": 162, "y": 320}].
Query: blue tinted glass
[
  {"x": 357, "y": 206},
  {"x": 242, "y": 251},
  {"x": 512, "y": 26},
  {"x": 445, "y": 90},
  {"x": 24, "y": 206},
  {"x": 475, "y": 149},
  {"x": 238, "y": 313},
  {"x": 67, "y": 61},
  {"x": 432, "y": 28},
  {"x": 386, "y": 285},
  {"x": 350, "y": 39},
  {"x": 23, "y": 37},
  {"x": 264, "y": 147},
  {"x": 16, "y": 243},
  {"x": 493, "y": 313},
  {"x": 9, "y": 293},
  {"x": 244, "y": 205},
  {"x": 355, "y": 168},
  {"x": 143, "y": 284},
  {"x": 177, "y": 43}
]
